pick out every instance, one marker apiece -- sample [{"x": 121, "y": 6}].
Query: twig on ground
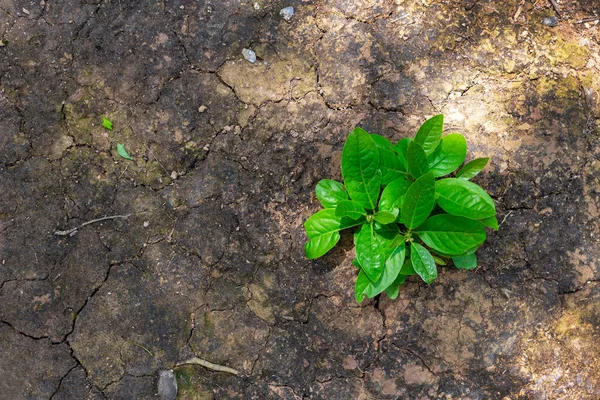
[
  {"x": 555, "y": 6},
  {"x": 73, "y": 231},
  {"x": 506, "y": 216},
  {"x": 588, "y": 19},
  {"x": 519, "y": 10},
  {"x": 209, "y": 365},
  {"x": 157, "y": 160},
  {"x": 140, "y": 346}
]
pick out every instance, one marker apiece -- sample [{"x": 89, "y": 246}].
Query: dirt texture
[{"x": 204, "y": 256}]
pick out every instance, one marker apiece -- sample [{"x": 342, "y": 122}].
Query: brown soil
[{"x": 226, "y": 155}]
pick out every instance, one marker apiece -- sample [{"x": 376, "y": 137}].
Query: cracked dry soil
[{"x": 226, "y": 155}]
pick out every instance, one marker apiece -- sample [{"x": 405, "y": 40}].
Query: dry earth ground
[{"x": 226, "y": 155}]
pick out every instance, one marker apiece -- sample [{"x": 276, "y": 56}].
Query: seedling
[{"x": 410, "y": 215}]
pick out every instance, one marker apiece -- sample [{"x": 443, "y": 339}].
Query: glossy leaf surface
[
  {"x": 330, "y": 193},
  {"x": 372, "y": 248},
  {"x": 465, "y": 262},
  {"x": 418, "y": 201},
  {"x": 451, "y": 234},
  {"x": 464, "y": 198},
  {"x": 417, "y": 160},
  {"x": 430, "y": 133},
  {"x": 449, "y": 155},
  {"x": 360, "y": 168},
  {"x": 423, "y": 263},
  {"x": 402, "y": 149},
  {"x": 350, "y": 209},
  {"x": 322, "y": 230},
  {"x": 392, "y": 195},
  {"x": 472, "y": 168}
]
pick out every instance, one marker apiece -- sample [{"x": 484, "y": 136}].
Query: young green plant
[{"x": 410, "y": 216}]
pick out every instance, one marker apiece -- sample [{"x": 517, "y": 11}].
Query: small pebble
[
  {"x": 550, "y": 21},
  {"x": 287, "y": 13},
  {"x": 167, "y": 385},
  {"x": 256, "y": 6},
  {"x": 249, "y": 55},
  {"x": 174, "y": 175},
  {"x": 26, "y": 11},
  {"x": 146, "y": 224},
  {"x": 202, "y": 108}
]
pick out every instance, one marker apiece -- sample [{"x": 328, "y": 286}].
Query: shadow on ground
[{"x": 204, "y": 255}]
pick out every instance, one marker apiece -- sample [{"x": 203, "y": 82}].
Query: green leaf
[
  {"x": 407, "y": 268},
  {"x": 325, "y": 221},
  {"x": 417, "y": 160},
  {"x": 384, "y": 217},
  {"x": 449, "y": 154},
  {"x": 122, "y": 152},
  {"x": 107, "y": 123},
  {"x": 322, "y": 230},
  {"x": 360, "y": 168},
  {"x": 430, "y": 133},
  {"x": 451, "y": 234},
  {"x": 362, "y": 281},
  {"x": 393, "y": 290},
  {"x": 396, "y": 259},
  {"x": 438, "y": 260},
  {"x": 390, "y": 273},
  {"x": 423, "y": 262},
  {"x": 349, "y": 208},
  {"x": 466, "y": 262},
  {"x": 398, "y": 240},
  {"x": 330, "y": 193},
  {"x": 389, "y": 163},
  {"x": 382, "y": 142},
  {"x": 418, "y": 201},
  {"x": 372, "y": 247},
  {"x": 387, "y": 278},
  {"x": 472, "y": 168},
  {"x": 392, "y": 195},
  {"x": 491, "y": 222},
  {"x": 402, "y": 149},
  {"x": 464, "y": 198},
  {"x": 391, "y": 167},
  {"x": 320, "y": 245},
  {"x": 356, "y": 263},
  {"x": 466, "y": 253}
]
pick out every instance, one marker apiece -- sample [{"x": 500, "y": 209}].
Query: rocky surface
[{"x": 205, "y": 257}]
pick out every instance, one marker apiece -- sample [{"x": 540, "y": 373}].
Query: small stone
[
  {"x": 167, "y": 385},
  {"x": 249, "y": 55},
  {"x": 287, "y": 13},
  {"x": 202, "y": 108},
  {"x": 146, "y": 224},
  {"x": 550, "y": 21},
  {"x": 26, "y": 11},
  {"x": 174, "y": 175},
  {"x": 256, "y": 6}
]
